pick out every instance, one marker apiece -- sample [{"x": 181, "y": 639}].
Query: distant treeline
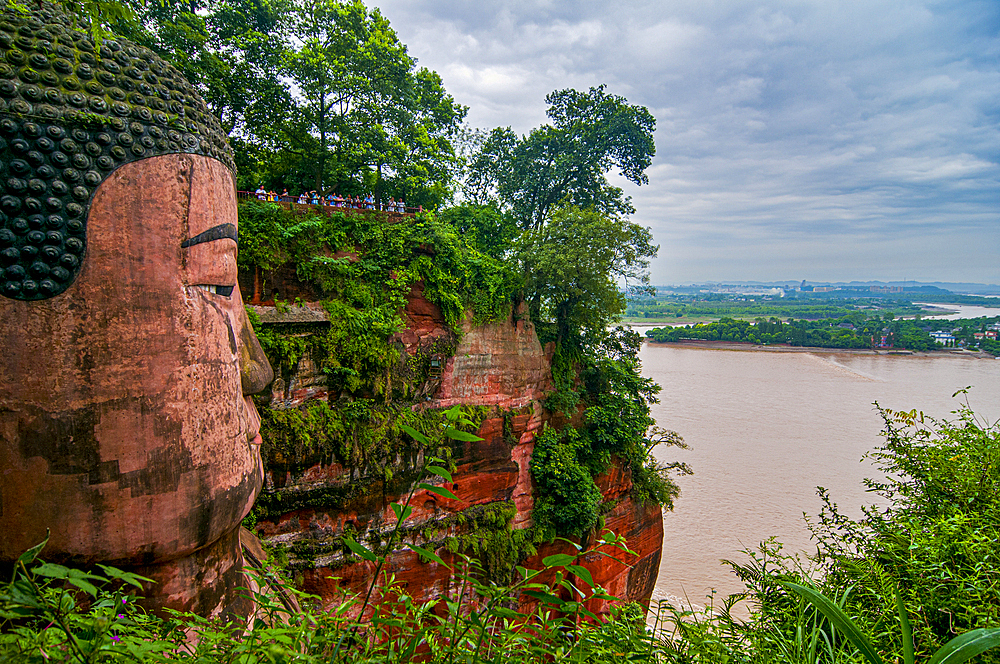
[
  {"x": 720, "y": 305},
  {"x": 846, "y": 332}
]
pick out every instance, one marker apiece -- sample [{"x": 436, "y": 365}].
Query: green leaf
[
  {"x": 32, "y": 553},
  {"x": 402, "y": 512},
  {"x": 504, "y": 612},
  {"x": 360, "y": 550},
  {"x": 128, "y": 577},
  {"x": 15, "y": 613},
  {"x": 430, "y": 555},
  {"x": 439, "y": 490},
  {"x": 837, "y": 618},
  {"x": 440, "y": 472},
  {"x": 606, "y": 596},
  {"x": 463, "y": 436},
  {"x": 52, "y": 570},
  {"x": 964, "y": 647},
  {"x": 66, "y": 602},
  {"x": 545, "y": 597},
  {"x": 582, "y": 572},
  {"x": 84, "y": 585},
  {"x": 80, "y": 574},
  {"x": 904, "y": 622},
  {"x": 558, "y": 560},
  {"x": 22, "y": 592},
  {"x": 414, "y": 434}
]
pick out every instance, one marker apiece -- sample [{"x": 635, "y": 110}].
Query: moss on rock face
[
  {"x": 363, "y": 266},
  {"x": 489, "y": 538}
]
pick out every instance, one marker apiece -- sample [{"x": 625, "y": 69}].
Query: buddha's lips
[{"x": 256, "y": 440}]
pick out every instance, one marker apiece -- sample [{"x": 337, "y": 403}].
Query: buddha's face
[{"x": 126, "y": 425}]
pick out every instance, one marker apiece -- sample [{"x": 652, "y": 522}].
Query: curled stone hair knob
[{"x": 70, "y": 114}]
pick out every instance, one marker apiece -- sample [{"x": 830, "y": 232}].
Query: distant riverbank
[{"x": 783, "y": 348}]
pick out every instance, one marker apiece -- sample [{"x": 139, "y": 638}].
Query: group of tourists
[{"x": 333, "y": 200}]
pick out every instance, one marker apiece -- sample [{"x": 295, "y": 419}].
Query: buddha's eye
[{"x": 224, "y": 291}]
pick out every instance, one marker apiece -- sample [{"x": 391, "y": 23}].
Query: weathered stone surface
[
  {"x": 503, "y": 366},
  {"x": 424, "y": 321},
  {"x": 499, "y": 364},
  {"x": 292, "y": 314},
  {"x": 306, "y": 383}
]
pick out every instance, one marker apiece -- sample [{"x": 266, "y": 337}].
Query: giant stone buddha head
[{"x": 127, "y": 363}]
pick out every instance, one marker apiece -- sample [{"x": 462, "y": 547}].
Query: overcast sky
[{"x": 812, "y": 139}]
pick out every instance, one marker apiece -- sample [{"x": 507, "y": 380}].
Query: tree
[
  {"x": 567, "y": 161},
  {"x": 362, "y": 111},
  {"x": 483, "y": 227},
  {"x": 230, "y": 51},
  {"x": 95, "y": 15},
  {"x": 575, "y": 266}
]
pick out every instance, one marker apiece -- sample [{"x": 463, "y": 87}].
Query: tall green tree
[
  {"x": 567, "y": 161},
  {"x": 483, "y": 228},
  {"x": 230, "y": 50},
  {"x": 363, "y": 113},
  {"x": 578, "y": 267}
]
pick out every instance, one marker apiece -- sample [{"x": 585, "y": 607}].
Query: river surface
[
  {"x": 766, "y": 428},
  {"x": 962, "y": 311}
]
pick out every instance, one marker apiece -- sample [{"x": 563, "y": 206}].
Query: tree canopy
[
  {"x": 229, "y": 50},
  {"x": 576, "y": 266},
  {"x": 362, "y": 107},
  {"x": 567, "y": 161}
]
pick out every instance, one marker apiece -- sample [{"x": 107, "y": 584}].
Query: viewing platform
[{"x": 291, "y": 203}]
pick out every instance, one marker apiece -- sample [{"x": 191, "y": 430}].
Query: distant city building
[
  {"x": 886, "y": 289},
  {"x": 824, "y": 289}
]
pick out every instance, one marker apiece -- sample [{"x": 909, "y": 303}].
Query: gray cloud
[{"x": 815, "y": 139}]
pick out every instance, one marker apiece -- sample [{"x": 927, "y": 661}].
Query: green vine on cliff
[
  {"x": 490, "y": 539},
  {"x": 360, "y": 434},
  {"x": 380, "y": 261},
  {"x": 364, "y": 268},
  {"x": 599, "y": 383}
]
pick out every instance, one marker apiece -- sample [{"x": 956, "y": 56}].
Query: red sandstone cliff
[{"x": 500, "y": 365}]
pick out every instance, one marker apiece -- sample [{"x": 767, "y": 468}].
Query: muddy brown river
[{"x": 766, "y": 428}]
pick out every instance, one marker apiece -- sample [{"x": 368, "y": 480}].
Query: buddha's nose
[{"x": 255, "y": 371}]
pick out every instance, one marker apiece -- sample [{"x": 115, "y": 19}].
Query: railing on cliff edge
[{"x": 291, "y": 203}]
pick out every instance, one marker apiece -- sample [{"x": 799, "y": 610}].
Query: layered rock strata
[{"x": 500, "y": 366}]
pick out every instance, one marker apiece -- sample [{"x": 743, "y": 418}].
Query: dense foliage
[
  {"x": 363, "y": 116},
  {"x": 363, "y": 269},
  {"x": 705, "y": 306},
  {"x": 566, "y": 161},
  {"x": 616, "y": 423},
  {"x": 574, "y": 267},
  {"x": 832, "y": 333}
]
